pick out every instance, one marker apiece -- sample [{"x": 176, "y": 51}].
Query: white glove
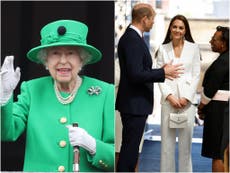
[
  {"x": 80, "y": 137},
  {"x": 9, "y": 79}
]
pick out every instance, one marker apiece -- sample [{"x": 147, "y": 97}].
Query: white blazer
[{"x": 186, "y": 85}]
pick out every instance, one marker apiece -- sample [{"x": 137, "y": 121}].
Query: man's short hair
[{"x": 141, "y": 10}]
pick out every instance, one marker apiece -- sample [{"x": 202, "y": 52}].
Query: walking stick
[{"x": 76, "y": 153}]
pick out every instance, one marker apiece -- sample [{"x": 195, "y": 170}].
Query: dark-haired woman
[
  {"x": 214, "y": 106},
  {"x": 178, "y": 96}
]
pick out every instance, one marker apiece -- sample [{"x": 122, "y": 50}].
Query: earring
[{"x": 47, "y": 68}]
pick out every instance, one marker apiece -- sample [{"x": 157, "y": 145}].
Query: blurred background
[
  {"x": 203, "y": 17},
  {"x": 21, "y": 22}
]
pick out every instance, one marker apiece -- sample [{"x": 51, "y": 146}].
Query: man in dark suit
[{"x": 135, "y": 92}]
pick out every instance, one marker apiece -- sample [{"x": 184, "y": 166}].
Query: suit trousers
[
  {"x": 133, "y": 128},
  {"x": 168, "y": 140}
]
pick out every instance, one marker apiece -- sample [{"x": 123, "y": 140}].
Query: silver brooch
[{"x": 94, "y": 90}]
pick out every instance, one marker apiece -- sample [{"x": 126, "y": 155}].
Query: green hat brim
[{"x": 95, "y": 53}]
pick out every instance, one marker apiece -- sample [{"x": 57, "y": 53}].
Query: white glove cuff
[
  {"x": 91, "y": 145},
  {"x": 4, "y": 98}
]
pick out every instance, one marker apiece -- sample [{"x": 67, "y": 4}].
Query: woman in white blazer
[{"x": 178, "y": 95}]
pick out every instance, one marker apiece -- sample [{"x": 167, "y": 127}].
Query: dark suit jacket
[{"x": 135, "y": 92}]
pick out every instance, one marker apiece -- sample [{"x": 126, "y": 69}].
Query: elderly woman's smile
[
  {"x": 68, "y": 98},
  {"x": 63, "y": 71},
  {"x": 64, "y": 64}
]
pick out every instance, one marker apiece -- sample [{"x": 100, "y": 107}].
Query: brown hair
[
  {"x": 187, "y": 35},
  {"x": 141, "y": 10}
]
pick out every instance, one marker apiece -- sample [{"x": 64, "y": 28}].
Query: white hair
[{"x": 84, "y": 55}]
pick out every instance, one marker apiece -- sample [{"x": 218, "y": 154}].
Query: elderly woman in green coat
[{"x": 48, "y": 106}]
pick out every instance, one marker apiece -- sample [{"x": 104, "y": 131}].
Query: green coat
[{"x": 43, "y": 117}]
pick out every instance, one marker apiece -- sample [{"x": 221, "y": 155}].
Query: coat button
[
  {"x": 62, "y": 143},
  {"x": 61, "y": 168},
  {"x": 63, "y": 120}
]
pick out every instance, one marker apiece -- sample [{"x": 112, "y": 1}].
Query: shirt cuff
[{"x": 204, "y": 99}]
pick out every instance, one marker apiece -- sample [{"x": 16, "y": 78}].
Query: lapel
[{"x": 170, "y": 51}]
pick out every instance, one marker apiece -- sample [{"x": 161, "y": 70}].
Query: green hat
[{"x": 64, "y": 33}]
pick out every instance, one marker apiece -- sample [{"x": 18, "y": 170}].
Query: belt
[{"x": 221, "y": 95}]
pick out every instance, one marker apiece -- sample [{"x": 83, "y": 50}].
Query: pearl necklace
[{"x": 69, "y": 99}]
